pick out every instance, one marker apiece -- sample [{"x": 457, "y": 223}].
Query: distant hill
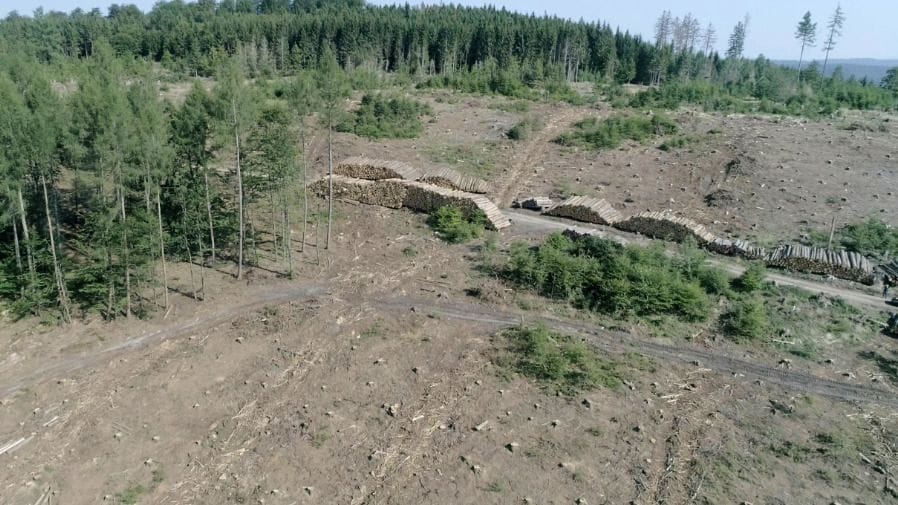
[{"x": 872, "y": 69}]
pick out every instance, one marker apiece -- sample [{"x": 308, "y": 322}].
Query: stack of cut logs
[
  {"x": 842, "y": 264},
  {"x": 736, "y": 247},
  {"x": 428, "y": 198},
  {"x": 587, "y": 209},
  {"x": 373, "y": 170},
  {"x": 537, "y": 203},
  {"x": 667, "y": 227},
  {"x": 386, "y": 193},
  {"x": 448, "y": 178}
]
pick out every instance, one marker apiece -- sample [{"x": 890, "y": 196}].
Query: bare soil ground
[{"x": 371, "y": 378}]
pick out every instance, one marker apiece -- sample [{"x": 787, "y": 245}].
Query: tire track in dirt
[
  {"x": 275, "y": 296},
  {"x": 609, "y": 340},
  {"x": 534, "y": 152}
]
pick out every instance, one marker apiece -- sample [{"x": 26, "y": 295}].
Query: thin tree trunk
[
  {"x": 825, "y": 61},
  {"x": 288, "y": 239},
  {"x": 305, "y": 193},
  {"x": 62, "y": 292},
  {"x": 800, "y": 58},
  {"x": 318, "y": 234},
  {"x": 190, "y": 267},
  {"x": 239, "y": 197},
  {"x": 15, "y": 240},
  {"x": 330, "y": 183},
  {"x": 26, "y": 234},
  {"x": 209, "y": 212},
  {"x": 162, "y": 249},
  {"x": 125, "y": 254}
]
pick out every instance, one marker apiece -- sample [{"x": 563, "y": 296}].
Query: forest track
[
  {"x": 275, "y": 296},
  {"x": 533, "y": 153},
  {"x": 615, "y": 341}
]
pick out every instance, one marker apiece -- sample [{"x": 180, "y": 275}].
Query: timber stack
[
  {"x": 425, "y": 197},
  {"x": 389, "y": 193},
  {"x": 587, "y": 210},
  {"x": 537, "y": 203},
  {"x": 448, "y": 178},
  {"x": 375, "y": 170},
  {"x": 842, "y": 264},
  {"x": 736, "y": 247},
  {"x": 890, "y": 269},
  {"x": 662, "y": 225}
]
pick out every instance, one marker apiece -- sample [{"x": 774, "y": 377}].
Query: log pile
[
  {"x": 890, "y": 269},
  {"x": 448, "y": 178},
  {"x": 842, "y": 264},
  {"x": 374, "y": 170},
  {"x": 537, "y": 203},
  {"x": 664, "y": 226},
  {"x": 736, "y": 247},
  {"x": 428, "y": 198},
  {"x": 389, "y": 193},
  {"x": 586, "y": 209}
]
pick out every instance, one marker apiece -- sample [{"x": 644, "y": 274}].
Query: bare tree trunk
[
  {"x": 305, "y": 192},
  {"x": 162, "y": 248},
  {"x": 62, "y": 292},
  {"x": 288, "y": 240},
  {"x": 209, "y": 212},
  {"x": 800, "y": 59},
  {"x": 318, "y": 235},
  {"x": 125, "y": 254},
  {"x": 26, "y": 234},
  {"x": 239, "y": 196},
  {"x": 330, "y": 183},
  {"x": 15, "y": 240}
]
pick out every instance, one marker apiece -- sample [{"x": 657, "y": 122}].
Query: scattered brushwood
[
  {"x": 389, "y": 193},
  {"x": 428, "y": 198},
  {"x": 587, "y": 209},
  {"x": 448, "y": 178},
  {"x": 720, "y": 198},
  {"x": 664, "y": 226},
  {"x": 842, "y": 264},
  {"x": 736, "y": 247},
  {"x": 373, "y": 170},
  {"x": 537, "y": 203}
]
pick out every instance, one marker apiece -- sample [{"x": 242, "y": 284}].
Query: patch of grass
[
  {"x": 886, "y": 365},
  {"x": 375, "y": 330},
  {"x": 477, "y": 160},
  {"x": 557, "y": 361},
  {"x": 131, "y": 495},
  {"x": 320, "y": 438},
  {"x": 596, "y": 432},
  {"x": 410, "y": 251},
  {"x": 511, "y": 106},
  {"x": 453, "y": 226},
  {"x": 796, "y": 452},
  {"x": 494, "y": 487},
  {"x": 379, "y": 116},
  {"x": 592, "y": 133},
  {"x": 677, "y": 142}
]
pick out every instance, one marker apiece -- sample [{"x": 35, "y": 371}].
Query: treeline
[
  {"x": 473, "y": 49},
  {"x": 102, "y": 183}
]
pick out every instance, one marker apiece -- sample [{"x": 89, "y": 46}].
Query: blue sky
[{"x": 869, "y": 29}]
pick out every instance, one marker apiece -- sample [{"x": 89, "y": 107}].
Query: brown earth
[{"x": 372, "y": 378}]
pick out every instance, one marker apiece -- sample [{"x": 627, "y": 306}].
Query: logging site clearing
[{"x": 651, "y": 325}]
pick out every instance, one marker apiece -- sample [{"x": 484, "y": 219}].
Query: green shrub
[
  {"x": 382, "y": 117},
  {"x": 524, "y": 129},
  {"x": 608, "y": 134},
  {"x": 558, "y": 361},
  {"x": 752, "y": 279},
  {"x": 745, "y": 319},
  {"x": 453, "y": 226},
  {"x": 873, "y": 237},
  {"x": 606, "y": 277}
]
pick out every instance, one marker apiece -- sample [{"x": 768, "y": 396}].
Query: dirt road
[{"x": 610, "y": 340}]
